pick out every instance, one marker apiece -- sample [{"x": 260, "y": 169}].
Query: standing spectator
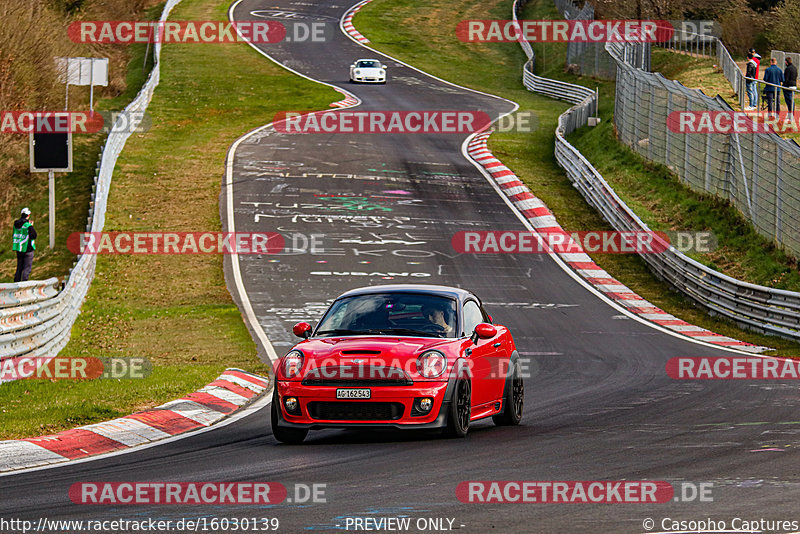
[
  {"x": 773, "y": 75},
  {"x": 789, "y": 82},
  {"x": 751, "y": 73},
  {"x": 24, "y": 244},
  {"x": 757, "y": 59}
]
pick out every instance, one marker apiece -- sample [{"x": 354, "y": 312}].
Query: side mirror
[
  {"x": 483, "y": 331},
  {"x": 302, "y": 330},
  {"x": 384, "y": 67},
  {"x": 490, "y": 318}
]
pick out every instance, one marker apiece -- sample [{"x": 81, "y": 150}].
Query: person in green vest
[{"x": 24, "y": 245}]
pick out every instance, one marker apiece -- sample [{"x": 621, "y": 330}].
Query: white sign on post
[{"x": 89, "y": 71}]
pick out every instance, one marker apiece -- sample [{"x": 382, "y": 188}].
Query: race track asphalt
[{"x": 599, "y": 404}]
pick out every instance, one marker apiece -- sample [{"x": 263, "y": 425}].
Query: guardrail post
[
  {"x": 778, "y": 194},
  {"x": 668, "y": 131},
  {"x": 758, "y": 96},
  {"x": 707, "y": 180},
  {"x": 742, "y": 90},
  {"x": 754, "y": 182},
  {"x": 685, "y": 158},
  {"x": 650, "y": 123}
]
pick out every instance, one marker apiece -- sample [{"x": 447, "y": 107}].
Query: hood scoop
[{"x": 360, "y": 352}]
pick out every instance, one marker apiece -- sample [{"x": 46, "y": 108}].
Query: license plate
[{"x": 352, "y": 393}]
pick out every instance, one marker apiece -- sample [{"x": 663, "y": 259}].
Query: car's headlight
[
  {"x": 431, "y": 364},
  {"x": 292, "y": 363},
  {"x": 358, "y": 72}
]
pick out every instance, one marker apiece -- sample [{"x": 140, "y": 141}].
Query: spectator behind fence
[
  {"x": 790, "y": 83},
  {"x": 751, "y": 72},
  {"x": 24, "y": 244},
  {"x": 773, "y": 75}
]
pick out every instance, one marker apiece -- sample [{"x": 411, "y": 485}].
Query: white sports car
[{"x": 368, "y": 71}]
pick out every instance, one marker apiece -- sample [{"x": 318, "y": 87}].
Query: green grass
[
  {"x": 174, "y": 310},
  {"x": 423, "y": 34},
  {"x": 695, "y": 72},
  {"x": 36, "y": 407}
]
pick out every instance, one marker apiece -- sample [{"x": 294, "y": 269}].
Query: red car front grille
[{"x": 355, "y": 411}]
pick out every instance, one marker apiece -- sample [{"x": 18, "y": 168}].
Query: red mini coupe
[{"x": 398, "y": 356}]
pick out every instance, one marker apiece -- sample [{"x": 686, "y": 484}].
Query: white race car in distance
[{"x": 368, "y": 71}]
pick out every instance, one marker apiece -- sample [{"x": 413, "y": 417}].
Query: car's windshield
[
  {"x": 368, "y": 64},
  {"x": 406, "y": 314}
]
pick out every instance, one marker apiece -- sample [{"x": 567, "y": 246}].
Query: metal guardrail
[
  {"x": 27, "y": 292},
  {"x": 730, "y": 69},
  {"x": 35, "y": 318},
  {"x": 764, "y": 309}
]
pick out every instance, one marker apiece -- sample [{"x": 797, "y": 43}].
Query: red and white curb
[
  {"x": 347, "y": 22},
  {"x": 543, "y": 221},
  {"x": 227, "y": 394},
  {"x": 348, "y": 101}
]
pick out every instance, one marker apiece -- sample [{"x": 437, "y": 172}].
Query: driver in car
[{"x": 437, "y": 317}]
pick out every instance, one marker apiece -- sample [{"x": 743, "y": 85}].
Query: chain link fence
[
  {"x": 758, "y": 172},
  {"x": 586, "y": 58}
]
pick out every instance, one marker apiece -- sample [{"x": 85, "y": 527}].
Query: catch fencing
[
  {"x": 586, "y": 58},
  {"x": 36, "y": 317},
  {"x": 759, "y": 173}
]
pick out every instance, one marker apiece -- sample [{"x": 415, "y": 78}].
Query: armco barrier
[
  {"x": 764, "y": 309},
  {"x": 27, "y": 292},
  {"x": 35, "y": 318}
]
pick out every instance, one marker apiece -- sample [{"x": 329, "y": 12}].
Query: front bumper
[
  {"x": 398, "y": 395},
  {"x": 369, "y": 79}
]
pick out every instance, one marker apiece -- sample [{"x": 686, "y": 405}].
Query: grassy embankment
[{"x": 173, "y": 310}]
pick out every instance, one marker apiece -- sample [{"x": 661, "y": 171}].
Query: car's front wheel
[
  {"x": 460, "y": 409},
  {"x": 291, "y": 436},
  {"x": 513, "y": 399}
]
